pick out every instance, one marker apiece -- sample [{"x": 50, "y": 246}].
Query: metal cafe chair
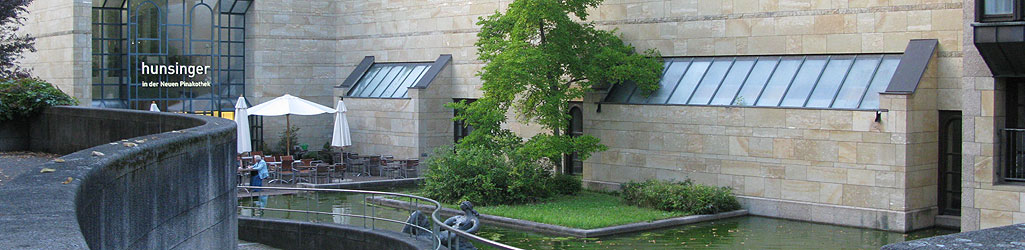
[
  {"x": 323, "y": 170},
  {"x": 287, "y": 169},
  {"x": 304, "y": 171},
  {"x": 411, "y": 168},
  {"x": 392, "y": 169},
  {"x": 338, "y": 168},
  {"x": 357, "y": 165}
]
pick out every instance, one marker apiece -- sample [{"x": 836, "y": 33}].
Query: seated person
[{"x": 261, "y": 167}]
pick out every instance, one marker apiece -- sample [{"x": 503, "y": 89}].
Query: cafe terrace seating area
[{"x": 342, "y": 167}]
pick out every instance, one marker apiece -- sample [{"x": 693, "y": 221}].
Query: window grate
[{"x": 1013, "y": 169}]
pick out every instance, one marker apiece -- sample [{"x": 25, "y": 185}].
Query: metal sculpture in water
[{"x": 468, "y": 222}]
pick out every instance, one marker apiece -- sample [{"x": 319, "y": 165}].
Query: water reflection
[{"x": 750, "y": 232}]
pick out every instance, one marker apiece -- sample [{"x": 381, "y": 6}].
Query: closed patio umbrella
[
  {"x": 153, "y": 107},
  {"x": 289, "y": 105},
  {"x": 242, "y": 119},
  {"x": 340, "y": 133}
]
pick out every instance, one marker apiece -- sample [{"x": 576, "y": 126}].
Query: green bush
[
  {"x": 311, "y": 155},
  {"x": 25, "y": 97},
  {"x": 485, "y": 176},
  {"x": 566, "y": 184},
  {"x": 680, "y": 196}
]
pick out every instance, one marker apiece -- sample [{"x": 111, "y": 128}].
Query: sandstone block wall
[
  {"x": 64, "y": 47},
  {"x": 985, "y": 202}
]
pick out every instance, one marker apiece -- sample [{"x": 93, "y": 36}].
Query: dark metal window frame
[
  {"x": 570, "y": 160},
  {"x": 1016, "y": 12},
  {"x": 226, "y": 55},
  {"x": 1011, "y": 167},
  {"x": 101, "y": 69}
]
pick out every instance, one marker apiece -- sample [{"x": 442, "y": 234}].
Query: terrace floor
[{"x": 13, "y": 164}]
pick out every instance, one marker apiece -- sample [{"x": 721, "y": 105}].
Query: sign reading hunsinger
[{"x": 186, "y": 71}]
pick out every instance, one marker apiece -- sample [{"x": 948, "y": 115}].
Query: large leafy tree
[
  {"x": 540, "y": 55},
  {"x": 11, "y": 44}
]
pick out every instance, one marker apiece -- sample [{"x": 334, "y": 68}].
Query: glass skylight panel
[
  {"x": 780, "y": 80},
  {"x": 621, "y": 92},
  {"x": 838, "y": 82},
  {"x": 690, "y": 80},
  {"x": 673, "y": 72},
  {"x": 399, "y": 80},
  {"x": 803, "y": 83},
  {"x": 414, "y": 77},
  {"x": 880, "y": 82},
  {"x": 857, "y": 81},
  {"x": 829, "y": 82},
  {"x": 713, "y": 78},
  {"x": 756, "y": 81},
  {"x": 733, "y": 81},
  {"x": 389, "y": 80}
]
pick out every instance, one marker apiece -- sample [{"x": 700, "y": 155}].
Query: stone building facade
[{"x": 877, "y": 168}]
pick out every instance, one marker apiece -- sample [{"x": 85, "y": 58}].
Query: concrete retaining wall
[
  {"x": 288, "y": 234},
  {"x": 171, "y": 188}
]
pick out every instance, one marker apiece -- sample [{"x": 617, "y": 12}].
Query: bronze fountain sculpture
[{"x": 468, "y": 222}]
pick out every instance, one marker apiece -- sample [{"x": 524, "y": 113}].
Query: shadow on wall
[{"x": 169, "y": 185}]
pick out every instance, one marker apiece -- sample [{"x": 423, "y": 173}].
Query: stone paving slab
[
  {"x": 1006, "y": 237},
  {"x": 13, "y": 164}
]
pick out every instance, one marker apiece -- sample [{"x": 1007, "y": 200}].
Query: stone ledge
[
  {"x": 879, "y": 219},
  {"x": 173, "y": 188},
  {"x": 566, "y": 231}
]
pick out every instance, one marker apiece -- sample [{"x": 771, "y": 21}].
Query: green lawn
[{"x": 586, "y": 210}]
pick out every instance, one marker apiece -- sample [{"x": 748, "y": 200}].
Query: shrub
[
  {"x": 680, "y": 196},
  {"x": 485, "y": 176},
  {"x": 566, "y": 184},
  {"x": 311, "y": 155},
  {"x": 25, "y": 97}
]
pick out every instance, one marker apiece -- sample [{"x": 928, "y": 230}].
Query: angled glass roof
[
  {"x": 389, "y": 80},
  {"x": 827, "y": 81}
]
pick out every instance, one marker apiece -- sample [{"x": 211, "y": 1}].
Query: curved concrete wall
[
  {"x": 289, "y": 234},
  {"x": 172, "y": 189}
]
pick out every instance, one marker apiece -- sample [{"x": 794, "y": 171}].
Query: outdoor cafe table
[
  {"x": 244, "y": 173},
  {"x": 367, "y": 159}
]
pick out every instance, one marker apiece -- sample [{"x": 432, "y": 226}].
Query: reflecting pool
[{"x": 748, "y": 232}]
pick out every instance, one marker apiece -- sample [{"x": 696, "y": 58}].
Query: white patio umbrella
[
  {"x": 242, "y": 119},
  {"x": 153, "y": 107},
  {"x": 340, "y": 133},
  {"x": 289, "y": 105}
]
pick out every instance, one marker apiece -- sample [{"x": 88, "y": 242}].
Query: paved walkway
[
  {"x": 13, "y": 164},
  {"x": 245, "y": 245}
]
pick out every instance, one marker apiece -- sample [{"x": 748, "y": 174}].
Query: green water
[{"x": 749, "y": 232}]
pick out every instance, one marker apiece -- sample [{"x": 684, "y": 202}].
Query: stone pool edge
[{"x": 567, "y": 231}]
